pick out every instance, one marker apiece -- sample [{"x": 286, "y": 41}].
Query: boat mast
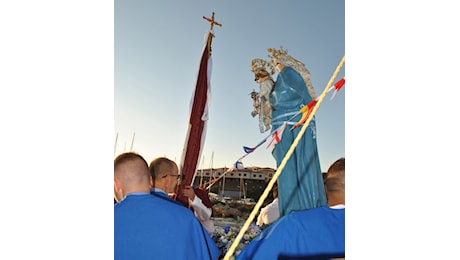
[
  {"x": 201, "y": 176},
  {"x": 132, "y": 143},
  {"x": 241, "y": 182},
  {"x": 115, "y": 148}
]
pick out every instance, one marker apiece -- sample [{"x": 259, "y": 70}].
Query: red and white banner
[{"x": 196, "y": 131}]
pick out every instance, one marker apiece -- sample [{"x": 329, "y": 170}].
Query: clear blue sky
[{"x": 158, "y": 45}]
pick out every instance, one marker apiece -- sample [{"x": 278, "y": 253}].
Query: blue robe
[
  {"x": 156, "y": 227},
  {"x": 300, "y": 185},
  {"x": 308, "y": 234}
]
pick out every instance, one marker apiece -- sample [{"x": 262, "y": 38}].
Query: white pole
[
  {"x": 115, "y": 148},
  {"x": 132, "y": 142}
]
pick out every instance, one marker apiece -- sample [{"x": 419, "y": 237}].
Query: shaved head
[
  {"x": 334, "y": 183},
  {"x": 131, "y": 174},
  {"x": 160, "y": 169}
]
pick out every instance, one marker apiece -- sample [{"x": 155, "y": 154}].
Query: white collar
[{"x": 338, "y": 206}]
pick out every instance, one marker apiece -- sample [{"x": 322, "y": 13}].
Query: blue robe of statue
[
  {"x": 309, "y": 234},
  {"x": 156, "y": 227},
  {"x": 300, "y": 185}
]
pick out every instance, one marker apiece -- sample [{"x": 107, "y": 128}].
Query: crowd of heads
[{"x": 132, "y": 174}]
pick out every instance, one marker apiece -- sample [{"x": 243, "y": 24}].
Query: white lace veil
[{"x": 281, "y": 56}]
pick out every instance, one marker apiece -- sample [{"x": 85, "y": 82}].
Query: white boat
[{"x": 247, "y": 201}]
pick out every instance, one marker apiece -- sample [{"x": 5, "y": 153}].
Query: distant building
[{"x": 249, "y": 182}]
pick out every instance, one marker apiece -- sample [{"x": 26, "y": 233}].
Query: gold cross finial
[{"x": 212, "y": 21}]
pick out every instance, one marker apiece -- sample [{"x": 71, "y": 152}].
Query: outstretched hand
[{"x": 189, "y": 192}]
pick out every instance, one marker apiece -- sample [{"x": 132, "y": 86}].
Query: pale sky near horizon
[{"x": 158, "y": 45}]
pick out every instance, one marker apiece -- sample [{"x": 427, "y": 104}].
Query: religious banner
[{"x": 196, "y": 131}]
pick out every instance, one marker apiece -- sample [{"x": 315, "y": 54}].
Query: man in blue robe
[
  {"x": 317, "y": 233},
  {"x": 153, "y": 227},
  {"x": 300, "y": 185}
]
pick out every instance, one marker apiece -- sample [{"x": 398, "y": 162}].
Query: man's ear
[
  {"x": 117, "y": 190},
  {"x": 116, "y": 184},
  {"x": 151, "y": 181}
]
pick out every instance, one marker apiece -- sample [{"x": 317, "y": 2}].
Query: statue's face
[{"x": 260, "y": 74}]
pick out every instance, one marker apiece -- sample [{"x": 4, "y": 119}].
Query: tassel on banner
[
  {"x": 306, "y": 111},
  {"x": 277, "y": 135},
  {"x": 337, "y": 86},
  {"x": 250, "y": 150},
  {"x": 238, "y": 165}
]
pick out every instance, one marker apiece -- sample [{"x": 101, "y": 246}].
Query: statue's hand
[{"x": 254, "y": 113}]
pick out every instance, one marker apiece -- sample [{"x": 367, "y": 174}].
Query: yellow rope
[{"x": 264, "y": 195}]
